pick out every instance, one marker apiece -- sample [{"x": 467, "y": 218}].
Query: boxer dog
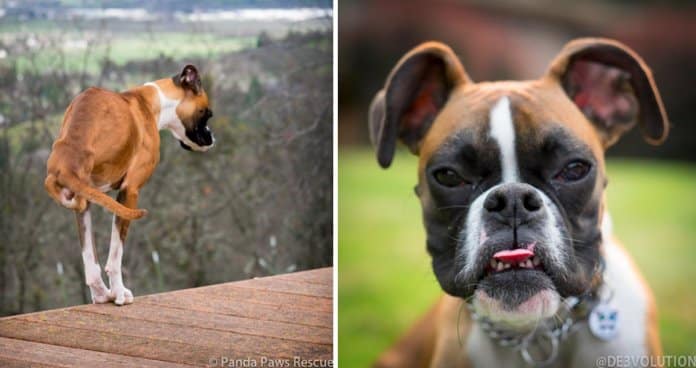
[
  {"x": 511, "y": 180},
  {"x": 110, "y": 141}
]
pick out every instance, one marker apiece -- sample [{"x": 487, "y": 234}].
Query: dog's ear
[
  {"x": 416, "y": 90},
  {"x": 612, "y": 87},
  {"x": 190, "y": 79}
]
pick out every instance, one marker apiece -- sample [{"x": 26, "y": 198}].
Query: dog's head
[
  {"x": 184, "y": 109},
  {"x": 511, "y": 174}
]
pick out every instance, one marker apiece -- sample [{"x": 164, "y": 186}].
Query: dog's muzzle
[
  {"x": 201, "y": 135},
  {"x": 511, "y": 255}
]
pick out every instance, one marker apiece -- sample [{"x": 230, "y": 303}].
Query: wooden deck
[{"x": 283, "y": 317}]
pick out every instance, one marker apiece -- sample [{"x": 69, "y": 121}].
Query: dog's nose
[{"x": 516, "y": 202}]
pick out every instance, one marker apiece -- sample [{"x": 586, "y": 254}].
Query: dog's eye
[
  {"x": 574, "y": 171},
  {"x": 449, "y": 178}
]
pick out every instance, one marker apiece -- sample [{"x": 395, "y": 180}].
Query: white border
[{"x": 335, "y": 182}]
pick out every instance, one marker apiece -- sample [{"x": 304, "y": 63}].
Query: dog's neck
[{"x": 166, "y": 115}]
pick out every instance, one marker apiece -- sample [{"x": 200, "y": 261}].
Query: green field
[
  {"x": 385, "y": 281},
  {"x": 127, "y": 47}
]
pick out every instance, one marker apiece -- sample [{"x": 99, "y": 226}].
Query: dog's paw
[
  {"x": 121, "y": 296},
  {"x": 128, "y": 296},
  {"x": 100, "y": 293},
  {"x": 100, "y": 296}
]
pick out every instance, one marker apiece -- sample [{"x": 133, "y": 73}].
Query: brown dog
[
  {"x": 511, "y": 180},
  {"x": 110, "y": 141}
]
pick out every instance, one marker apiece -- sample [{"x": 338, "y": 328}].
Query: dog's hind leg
[
  {"x": 64, "y": 195},
  {"x": 119, "y": 229},
  {"x": 99, "y": 291}
]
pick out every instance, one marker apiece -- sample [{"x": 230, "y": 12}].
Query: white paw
[
  {"x": 121, "y": 295},
  {"x": 128, "y": 295},
  {"x": 100, "y": 294},
  {"x": 101, "y": 298}
]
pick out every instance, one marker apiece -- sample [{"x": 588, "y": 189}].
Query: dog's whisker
[{"x": 453, "y": 207}]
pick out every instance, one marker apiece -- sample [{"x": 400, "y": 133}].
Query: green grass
[
  {"x": 127, "y": 47},
  {"x": 385, "y": 281}
]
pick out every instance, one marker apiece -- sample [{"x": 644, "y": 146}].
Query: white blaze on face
[{"x": 503, "y": 132}]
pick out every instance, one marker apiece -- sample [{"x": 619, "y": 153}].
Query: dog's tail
[{"x": 89, "y": 193}]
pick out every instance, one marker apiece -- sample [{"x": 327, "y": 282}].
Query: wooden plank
[
  {"x": 36, "y": 354},
  {"x": 228, "y": 306},
  {"x": 167, "y": 351},
  {"x": 183, "y": 349},
  {"x": 246, "y": 295},
  {"x": 277, "y": 317},
  {"x": 214, "y": 321},
  {"x": 282, "y": 285},
  {"x": 247, "y": 345},
  {"x": 6, "y": 362},
  {"x": 322, "y": 276}
]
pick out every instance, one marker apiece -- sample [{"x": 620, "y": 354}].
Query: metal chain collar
[{"x": 539, "y": 347}]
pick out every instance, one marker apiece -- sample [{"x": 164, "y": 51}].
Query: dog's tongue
[{"x": 512, "y": 256}]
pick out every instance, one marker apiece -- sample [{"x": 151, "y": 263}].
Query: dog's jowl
[
  {"x": 110, "y": 141},
  {"x": 511, "y": 181}
]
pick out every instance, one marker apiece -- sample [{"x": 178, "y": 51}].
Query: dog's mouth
[
  {"x": 185, "y": 146},
  {"x": 515, "y": 288},
  {"x": 514, "y": 274},
  {"x": 200, "y": 134},
  {"x": 512, "y": 260},
  {"x": 201, "y": 140}
]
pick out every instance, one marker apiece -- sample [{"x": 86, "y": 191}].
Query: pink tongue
[{"x": 515, "y": 255}]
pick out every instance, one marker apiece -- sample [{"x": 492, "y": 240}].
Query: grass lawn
[
  {"x": 124, "y": 48},
  {"x": 385, "y": 281},
  {"x": 62, "y": 45}
]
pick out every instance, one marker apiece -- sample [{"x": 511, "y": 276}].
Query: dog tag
[{"x": 604, "y": 321}]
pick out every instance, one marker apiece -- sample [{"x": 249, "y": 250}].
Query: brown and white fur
[
  {"x": 110, "y": 141},
  {"x": 510, "y": 165}
]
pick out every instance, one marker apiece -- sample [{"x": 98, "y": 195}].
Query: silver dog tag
[{"x": 604, "y": 321}]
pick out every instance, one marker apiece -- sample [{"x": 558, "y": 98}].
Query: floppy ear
[
  {"x": 613, "y": 87},
  {"x": 416, "y": 90},
  {"x": 190, "y": 79}
]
